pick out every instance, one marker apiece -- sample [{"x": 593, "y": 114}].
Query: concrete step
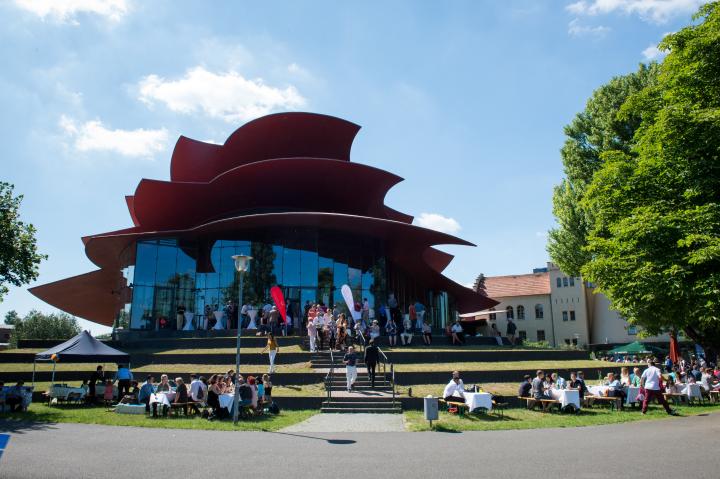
[
  {"x": 361, "y": 388},
  {"x": 358, "y": 410}
]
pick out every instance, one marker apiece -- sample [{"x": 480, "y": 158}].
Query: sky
[{"x": 466, "y": 100}]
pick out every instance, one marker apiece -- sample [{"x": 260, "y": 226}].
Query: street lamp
[{"x": 242, "y": 262}]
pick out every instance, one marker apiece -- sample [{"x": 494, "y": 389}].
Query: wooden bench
[
  {"x": 461, "y": 406},
  {"x": 500, "y": 407},
  {"x": 547, "y": 404},
  {"x": 676, "y": 398},
  {"x": 714, "y": 396},
  {"x": 614, "y": 402}
]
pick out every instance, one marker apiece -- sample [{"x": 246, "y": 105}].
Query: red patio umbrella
[{"x": 674, "y": 348}]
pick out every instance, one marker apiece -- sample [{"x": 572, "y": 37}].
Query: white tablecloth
[
  {"x": 162, "y": 398},
  {"x": 476, "y": 400},
  {"x": 632, "y": 394},
  {"x": 226, "y": 401},
  {"x": 252, "y": 313},
  {"x": 219, "y": 317},
  {"x": 63, "y": 392},
  {"x": 566, "y": 397},
  {"x": 597, "y": 390},
  {"x": 692, "y": 391},
  {"x": 189, "y": 322}
]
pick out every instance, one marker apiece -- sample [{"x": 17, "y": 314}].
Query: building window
[
  {"x": 539, "y": 314},
  {"x": 565, "y": 281},
  {"x": 572, "y": 281},
  {"x": 541, "y": 335},
  {"x": 574, "y": 341},
  {"x": 522, "y": 335},
  {"x": 567, "y": 342},
  {"x": 632, "y": 330},
  {"x": 509, "y": 311},
  {"x": 493, "y": 316},
  {"x": 564, "y": 315},
  {"x": 521, "y": 312},
  {"x": 572, "y": 315},
  {"x": 559, "y": 282}
]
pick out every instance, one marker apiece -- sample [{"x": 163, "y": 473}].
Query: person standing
[
  {"x": 510, "y": 331},
  {"x": 412, "y": 315},
  {"x": 372, "y": 354},
  {"x": 123, "y": 376},
  {"x": 391, "y": 330},
  {"x": 420, "y": 313},
  {"x": 650, "y": 382},
  {"x": 97, "y": 376},
  {"x": 180, "y": 317},
  {"x": 312, "y": 335},
  {"x": 272, "y": 349},
  {"x": 427, "y": 333},
  {"x": 350, "y": 361}
]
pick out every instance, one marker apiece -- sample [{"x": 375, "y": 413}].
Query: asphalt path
[{"x": 678, "y": 447}]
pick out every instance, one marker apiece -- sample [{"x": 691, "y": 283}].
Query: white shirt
[
  {"x": 456, "y": 328},
  {"x": 652, "y": 378},
  {"x": 454, "y": 389},
  {"x": 195, "y": 388}
]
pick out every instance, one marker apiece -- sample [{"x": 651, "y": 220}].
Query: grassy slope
[
  {"x": 98, "y": 415},
  {"x": 524, "y": 419}
]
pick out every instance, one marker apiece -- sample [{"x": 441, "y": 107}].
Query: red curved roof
[
  {"x": 289, "y": 169},
  {"x": 282, "y": 135}
]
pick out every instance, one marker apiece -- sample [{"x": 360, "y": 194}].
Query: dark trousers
[
  {"x": 371, "y": 372},
  {"x": 146, "y": 402},
  {"x": 656, "y": 394},
  {"x": 14, "y": 403},
  {"x": 155, "y": 407},
  {"x": 123, "y": 388},
  {"x": 321, "y": 339}
]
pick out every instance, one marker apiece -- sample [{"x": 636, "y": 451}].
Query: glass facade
[{"x": 199, "y": 277}]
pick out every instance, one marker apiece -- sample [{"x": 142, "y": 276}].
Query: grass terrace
[{"x": 99, "y": 415}]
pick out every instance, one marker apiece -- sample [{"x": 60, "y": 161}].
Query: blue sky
[{"x": 465, "y": 99}]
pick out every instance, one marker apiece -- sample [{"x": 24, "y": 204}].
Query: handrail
[
  {"x": 385, "y": 362},
  {"x": 329, "y": 376}
]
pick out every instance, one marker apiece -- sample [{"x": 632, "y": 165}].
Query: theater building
[{"x": 283, "y": 190}]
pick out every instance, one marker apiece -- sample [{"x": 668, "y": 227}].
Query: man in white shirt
[
  {"x": 650, "y": 381},
  {"x": 455, "y": 390}
]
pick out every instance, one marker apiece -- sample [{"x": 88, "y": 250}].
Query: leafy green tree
[
  {"x": 36, "y": 325},
  {"x": 19, "y": 259},
  {"x": 12, "y": 318},
  {"x": 654, "y": 242},
  {"x": 595, "y": 130}
]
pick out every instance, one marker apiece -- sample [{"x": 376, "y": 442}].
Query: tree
[
  {"x": 12, "y": 318},
  {"x": 654, "y": 241},
  {"x": 479, "y": 286},
  {"x": 595, "y": 130},
  {"x": 19, "y": 258},
  {"x": 36, "y": 325}
]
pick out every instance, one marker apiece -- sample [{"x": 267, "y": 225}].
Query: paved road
[
  {"x": 362, "y": 422},
  {"x": 643, "y": 449}
]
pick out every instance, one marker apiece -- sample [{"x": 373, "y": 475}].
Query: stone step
[
  {"x": 348, "y": 398},
  {"x": 358, "y": 410},
  {"x": 361, "y": 388}
]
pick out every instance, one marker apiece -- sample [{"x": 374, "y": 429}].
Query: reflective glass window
[
  {"x": 291, "y": 267},
  {"x": 340, "y": 275},
  {"x": 277, "y": 259},
  {"x": 145, "y": 263},
  {"x": 355, "y": 278},
  {"x": 166, "y": 264},
  {"x": 141, "y": 313},
  {"x": 309, "y": 268}
]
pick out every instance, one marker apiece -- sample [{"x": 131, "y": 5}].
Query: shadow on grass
[{"x": 22, "y": 423}]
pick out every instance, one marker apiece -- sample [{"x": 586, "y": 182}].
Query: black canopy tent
[{"x": 83, "y": 348}]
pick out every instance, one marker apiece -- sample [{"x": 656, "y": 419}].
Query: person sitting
[
  {"x": 391, "y": 331},
  {"x": 457, "y": 334},
  {"x": 181, "y": 395},
  {"x": 427, "y": 333},
  {"x": 537, "y": 390},
  {"x": 455, "y": 389},
  {"x": 576, "y": 383},
  {"x": 246, "y": 393},
  {"x": 164, "y": 385},
  {"x": 374, "y": 330},
  {"x": 525, "y": 387},
  {"x": 146, "y": 390},
  {"x": 615, "y": 388},
  {"x": 708, "y": 382},
  {"x": 407, "y": 334},
  {"x": 132, "y": 396},
  {"x": 635, "y": 377},
  {"x": 15, "y": 397},
  {"x": 255, "y": 399},
  {"x": 625, "y": 376},
  {"x": 558, "y": 381}
]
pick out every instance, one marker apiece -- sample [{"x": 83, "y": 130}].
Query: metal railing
[
  {"x": 384, "y": 363},
  {"x": 329, "y": 377}
]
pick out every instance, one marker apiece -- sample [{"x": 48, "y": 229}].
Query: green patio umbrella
[{"x": 635, "y": 348}]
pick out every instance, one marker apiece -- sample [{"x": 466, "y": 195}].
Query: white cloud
[
  {"x": 653, "y": 53},
  {"x": 66, "y": 10},
  {"x": 93, "y": 136},
  {"x": 656, "y": 11},
  {"x": 228, "y": 95},
  {"x": 577, "y": 30},
  {"x": 438, "y": 222}
]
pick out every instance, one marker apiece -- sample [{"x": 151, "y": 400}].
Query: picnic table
[
  {"x": 164, "y": 398},
  {"x": 566, "y": 397},
  {"x": 478, "y": 400},
  {"x": 62, "y": 391}
]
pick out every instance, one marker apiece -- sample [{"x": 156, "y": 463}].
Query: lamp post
[{"x": 242, "y": 262}]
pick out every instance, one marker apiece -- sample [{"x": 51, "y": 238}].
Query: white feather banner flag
[{"x": 347, "y": 296}]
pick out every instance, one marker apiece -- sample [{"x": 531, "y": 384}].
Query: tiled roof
[{"x": 517, "y": 285}]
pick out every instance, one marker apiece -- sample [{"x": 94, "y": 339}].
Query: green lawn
[
  {"x": 99, "y": 415},
  {"x": 529, "y": 366},
  {"x": 168, "y": 368},
  {"x": 524, "y": 419},
  {"x": 422, "y": 390},
  {"x": 283, "y": 349}
]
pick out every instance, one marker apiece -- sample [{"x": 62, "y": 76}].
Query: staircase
[{"x": 363, "y": 398}]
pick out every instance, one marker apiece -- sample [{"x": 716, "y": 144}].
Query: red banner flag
[{"x": 279, "y": 299}]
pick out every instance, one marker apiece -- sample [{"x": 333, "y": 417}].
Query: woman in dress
[
  {"x": 268, "y": 388},
  {"x": 213, "y": 397},
  {"x": 341, "y": 337}
]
